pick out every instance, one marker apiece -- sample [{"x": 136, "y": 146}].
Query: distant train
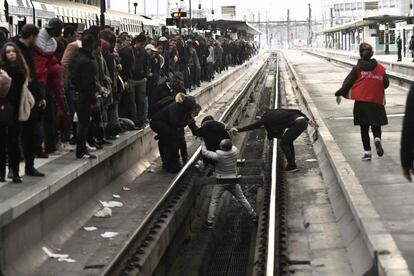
[{"x": 16, "y": 13}]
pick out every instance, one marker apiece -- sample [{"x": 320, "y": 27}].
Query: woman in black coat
[
  {"x": 367, "y": 113},
  {"x": 13, "y": 62}
]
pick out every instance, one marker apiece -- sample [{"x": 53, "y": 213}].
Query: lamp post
[
  {"x": 135, "y": 7},
  {"x": 102, "y": 17}
]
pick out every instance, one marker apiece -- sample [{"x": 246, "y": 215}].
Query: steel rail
[
  {"x": 271, "y": 235},
  {"x": 178, "y": 178}
]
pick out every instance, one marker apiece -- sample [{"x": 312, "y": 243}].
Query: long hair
[{"x": 21, "y": 62}]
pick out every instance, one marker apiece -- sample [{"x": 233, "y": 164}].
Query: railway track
[{"x": 172, "y": 235}]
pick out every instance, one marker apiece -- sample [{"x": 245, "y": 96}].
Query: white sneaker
[{"x": 89, "y": 148}]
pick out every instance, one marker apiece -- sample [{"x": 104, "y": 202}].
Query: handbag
[
  {"x": 6, "y": 113},
  {"x": 27, "y": 102},
  {"x": 5, "y": 83}
]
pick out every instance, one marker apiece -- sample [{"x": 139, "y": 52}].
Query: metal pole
[
  {"x": 288, "y": 28},
  {"x": 145, "y": 7},
  {"x": 260, "y": 36},
  {"x": 309, "y": 26},
  {"x": 103, "y": 10},
  {"x": 129, "y": 6},
  {"x": 158, "y": 8},
  {"x": 179, "y": 22},
  {"x": 191, "y": 17},
  {"x": 267, "y": 30},
  {"x": 331, "y": 17}
]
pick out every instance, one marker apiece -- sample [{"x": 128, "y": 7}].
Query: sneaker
[
  {"x": 90, "y": 148},
  {"x": 291, "y": 168},
  {"x": 378, "y": 146},
  {"x": 209, "y": 225},
  {"x": 366, "y": 157},
  {"x": 86, "y": 156}
]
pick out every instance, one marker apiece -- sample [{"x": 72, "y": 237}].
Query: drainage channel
[{"x": 192, "y": 249}]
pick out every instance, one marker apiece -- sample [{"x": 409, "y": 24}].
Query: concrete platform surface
[{"x": 381, "y": 178}]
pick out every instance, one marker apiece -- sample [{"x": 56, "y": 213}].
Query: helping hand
[
  {"x": 312, "y": 123},
  {"x": 234, "y": 130}
]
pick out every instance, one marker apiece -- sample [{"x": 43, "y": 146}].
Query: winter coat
[
  {"x": 212, "y": 133},
  {"x": 407, "y": 137},
  {"x": 15, "y": 91},
  {"x": 83, "y": 77},
  {"x": 276, "y": 121},
  {"x": 365, "y": 113},
  {"x": 54, "y": 83}
]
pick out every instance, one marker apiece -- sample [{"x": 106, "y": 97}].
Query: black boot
[{"x": 33, "y": 172}]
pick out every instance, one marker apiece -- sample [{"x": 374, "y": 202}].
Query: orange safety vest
[{"x": 369, "y": 86}]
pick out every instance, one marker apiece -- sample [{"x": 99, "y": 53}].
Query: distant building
[{"x": 344, "y": 11}]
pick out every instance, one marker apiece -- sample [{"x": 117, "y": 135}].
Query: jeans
[
  {"x": 136, "y": 101},
  {"x": 376, "y": 130},
  {"x": 286, "y": 142},
  {"x": 236, "y": 191}
]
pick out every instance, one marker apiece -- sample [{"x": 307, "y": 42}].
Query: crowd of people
[{"x": 86, "y": 88}]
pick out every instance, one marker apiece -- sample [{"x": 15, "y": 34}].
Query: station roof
[
  {"x": 373, "y": 20},
  {"x": 237, "y": 24}
]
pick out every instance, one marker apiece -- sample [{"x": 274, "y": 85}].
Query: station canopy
[
  {"x": 235, "y": 24},
  {"x": 373, "y": 20}
]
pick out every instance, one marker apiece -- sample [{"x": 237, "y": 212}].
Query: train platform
[
  {"x": 41, "y": 211},
  {"x": 384, "y": 205}
]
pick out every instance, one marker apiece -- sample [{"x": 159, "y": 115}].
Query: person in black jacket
[
  {"x": 165, "y": 93},
  {"x": 85, "y": 85},
  {"x": 407, "y": 138},
  {"x": 276, "y": 121},
  {"x": 168, "y": 123},
  {"x": 212, "y": 132},
  {"x": 26, "y": 42},
  {"x": 12, "y": 61}
]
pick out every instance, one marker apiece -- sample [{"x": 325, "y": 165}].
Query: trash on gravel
[
  {"x": 306, "y": 225},
  {"x": 126, "y": 189},
  {"x": 109, "y": 234},
  {"x": 116, "y": 196},
  {"x": 111, "y": 204},
  {"x": 90, "y": 228},
  {"x": 311, "y": 160},
  {"x": 104, "y": 213},
  {"x": 59, "y": 257}
]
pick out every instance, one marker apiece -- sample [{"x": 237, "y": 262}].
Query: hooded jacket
[{"x": 364, "y": 65}]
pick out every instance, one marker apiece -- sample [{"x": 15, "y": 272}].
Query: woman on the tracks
[{"x": 366, "y": 84}]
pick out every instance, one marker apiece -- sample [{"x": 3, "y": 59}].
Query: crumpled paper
[
  {"x": 59, "y": 257},
  {"x": 106, "y": 212},
  {"x": 109, "y": 234}
]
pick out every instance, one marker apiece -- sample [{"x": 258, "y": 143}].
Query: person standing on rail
[
  {"x": 226, "y": 167},
  {"x": 366, "y": 84},
  {"x": 276, "y": 121},
  {"x": 407, "y": 138}
]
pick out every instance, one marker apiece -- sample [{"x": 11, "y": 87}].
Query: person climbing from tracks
[
  {"x": 285, "y": 124},
  {"x": 212, "y": 132},
  {"x": 226, "y": 168},
  {"x": 366, "y": 84},
  {"x": 407, "y": 138}
]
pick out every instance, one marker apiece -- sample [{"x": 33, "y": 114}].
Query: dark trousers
[
  {"x": 182, "y": 145},
  {"x": 50, "y": 126},
  {"x": 32, "y": 133},
  {"x": 376, "y": 130},
  {"x": 84, "y": 118},
  {"x": 168, "y": 144},
  {"x": 399, "y": 54},
  {"x": 210, "y": 71},
  {"x": 9, "y": 140},
  {"x": 286, "y": 142}
]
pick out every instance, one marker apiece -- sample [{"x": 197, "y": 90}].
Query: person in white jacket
[
  {"x": 226, "y": 167},
  {"x": 210, "y": 62}
]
